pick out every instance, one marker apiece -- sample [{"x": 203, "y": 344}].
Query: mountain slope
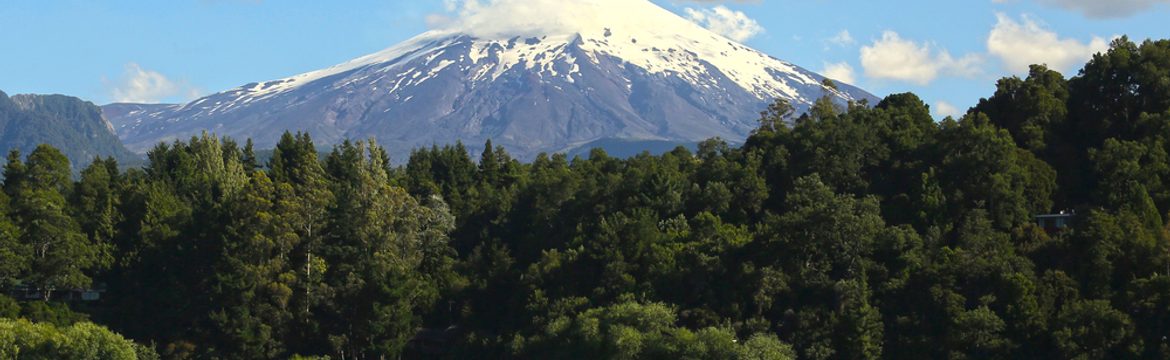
[
  {"x": 644, "y": 74},
  {"x": 74, "y": 126}
]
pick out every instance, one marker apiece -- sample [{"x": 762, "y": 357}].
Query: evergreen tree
[
  {"x": 14, "y": 172},
  {"x": 386, "y": 254},
  {"x": 61, "y": 255},
  {"x": 95, "y": 205},
  {"x": 254, "y": 281},
  {"x": 249, "y": 158},
  {"x": 14, "y": 254},
  {"x": 302, "y": 197}
]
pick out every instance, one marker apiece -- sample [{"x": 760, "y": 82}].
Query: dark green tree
[
  {"x": 387, "y": 255},
  {"x": 1030, "y": 109},
  {"x": 981, "y": 167},
  {"x": 302, "y": 197},
  {"x": 61, "y": 255},
  {"x": 14, "y": 254},
  {"x": 1092, "y": 329}
]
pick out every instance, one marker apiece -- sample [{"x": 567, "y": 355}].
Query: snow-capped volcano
[{"x": 554, "y": 76}]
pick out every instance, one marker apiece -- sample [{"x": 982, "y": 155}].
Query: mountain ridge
[{"x": 75, "y": 126}]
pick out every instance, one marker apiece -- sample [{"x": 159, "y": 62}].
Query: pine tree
[
  {"x": 14, "y": 254},
  {"x": 95, "y": 204},
  {"x": 61, "y": 254},
  {"x": 13, "y": 173},
  {"x": 254, "y": 279},
  {"x": 489, "y": 165},
  {"x": 302, "y": 197},
  {"x": 249, "y": 157},
  {"x": 387, "y": 255}
]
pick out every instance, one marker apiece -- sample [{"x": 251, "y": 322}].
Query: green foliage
[
  {"x": 254, "y": 282},
  {"x": 1116, "y": 87},
  {"x": 58, "y": 253},
  {"x": 55, "y": 313},
  {"x": 1151, "y": 304},
  {"x": 388, "y": 253},
  {"x": 1092, "y": 329},
  {"x": 14, "y": 254},
  {"x": 765, "y": 347},
  {"x": 981, "y": 167},
  {"x": 9, "y": 308},
  {"x": 1030, "y": 109},
  {"x": 1135, "y": 174},
  {"x": 21, "y": 339},
  {"x": 640, "y": 331}
]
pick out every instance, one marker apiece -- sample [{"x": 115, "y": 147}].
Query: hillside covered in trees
[
  {"x": 74, "y": 126},
  {"x": 865, "y": 232}
]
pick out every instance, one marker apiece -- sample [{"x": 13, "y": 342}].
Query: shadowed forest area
[{"x": 865, "y": 232}]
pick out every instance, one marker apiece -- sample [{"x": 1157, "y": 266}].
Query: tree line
[{"x": 859, "y": 232}]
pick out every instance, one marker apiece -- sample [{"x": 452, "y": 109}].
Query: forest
[{"x": 870, "y": 231}]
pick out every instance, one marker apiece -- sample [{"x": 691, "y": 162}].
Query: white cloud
[
  {"x": 895, "y": 58},
  {"x": 438, "y": 21},
  {"x": 943, "y": 109},
  {"x": 734, "y": 25},
  {"x": 843, "y": 38},
  {"x": 841, "y": 71},
  {"x": 1105, "y": 8},
  {"x": 1020, "y": 45},
  {"x": 501, "y": 19},
  {"x": 451, "y": 5},
  {"x": 139, "y": 85}
]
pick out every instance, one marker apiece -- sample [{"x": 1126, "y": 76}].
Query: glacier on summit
[{"x": 533, "y": 76}]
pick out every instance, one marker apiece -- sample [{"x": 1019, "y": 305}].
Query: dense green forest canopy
[
  {"x": 74, "y": 126},
  {"x": 863, "y": 232}
]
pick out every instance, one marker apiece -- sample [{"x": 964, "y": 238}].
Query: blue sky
[{"x": 949, "y": 52}]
